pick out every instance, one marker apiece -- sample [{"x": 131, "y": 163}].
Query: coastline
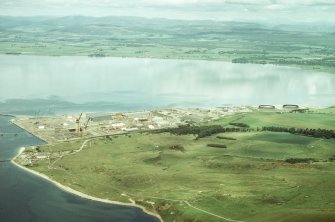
[
  {"x": 180, "y": 58},
  {"x": 26, "y": 130},
  {"x": 80, "y": 194}
]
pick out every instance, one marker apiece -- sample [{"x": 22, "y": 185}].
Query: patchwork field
[
  {"x": 259, "y": 176},
  {"x": 162, "y": 38}
]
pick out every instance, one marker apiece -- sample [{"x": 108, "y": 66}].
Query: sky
[{"x": 271, "y": 11}]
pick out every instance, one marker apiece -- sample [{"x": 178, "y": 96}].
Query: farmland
[{"x": 169, "y": 39}]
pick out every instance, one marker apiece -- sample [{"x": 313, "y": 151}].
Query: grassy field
[
  {"x": 321, "y": 119},
  {"x": 250, "y": 180},
  {"x": 162, "y": 38}
]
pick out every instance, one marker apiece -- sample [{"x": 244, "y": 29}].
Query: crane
[
  {"x": 78, "y": 122},
  {"x": 86, "y": 124}
]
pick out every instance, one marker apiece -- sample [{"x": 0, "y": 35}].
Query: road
[{"x": 76, "y": 151}]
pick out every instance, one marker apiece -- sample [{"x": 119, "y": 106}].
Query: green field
[
  {"x": 163, "y": 38},
  {"x": 321, "y": 119},
  {"x": 250, "y": 180}
]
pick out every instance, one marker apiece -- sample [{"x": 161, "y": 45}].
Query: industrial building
[{"x": 97, "y": 117}]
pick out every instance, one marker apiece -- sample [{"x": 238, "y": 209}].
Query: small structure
[
  {"x": 118, "y": 116},
  {"x": 139, "y": 115},
  {"x": 130, "y": 129},
  {"x": 117, "y": 125},
  {"x": 160, "y": 121},
  {"x": 299, "y": 110},
  {"x": 266, "y": 107},
  {"x": 290, "y": 106},
  {"x": 151, "y": 127},
  {"x": 100, "y": 117},
  {"x": 141, "y": 119},
  {"x": 41, "y": 157}
]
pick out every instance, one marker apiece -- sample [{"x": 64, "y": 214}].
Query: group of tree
[
  {"x": 300, "y": 160},
  {"x": 244, "y": 125},
  {"x": 216, "y": 145},
  {"x": 203, "y": 131},
  {"x": 332, "y": 159},
  {"x": 293, "y": 60},
  {"x": 317, "y": 133},
  {"x": 225, "y": 138},
  {"x": 177, "y": 147}
]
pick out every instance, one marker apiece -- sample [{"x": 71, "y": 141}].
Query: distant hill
[{"x": 238, "y": 42}]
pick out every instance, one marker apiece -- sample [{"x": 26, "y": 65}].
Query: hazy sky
[{"x": 282, "y": 11}]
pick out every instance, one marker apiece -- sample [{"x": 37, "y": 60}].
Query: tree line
[
  {"x": 317, "y": 133},
  {"x": 204, "y": 131}
]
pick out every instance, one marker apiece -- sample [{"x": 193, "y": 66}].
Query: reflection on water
[{"x": 155, "y": 82}]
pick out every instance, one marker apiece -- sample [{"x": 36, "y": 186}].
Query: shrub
[
  {"x": 217, "y": 145},
  {"x": 225, "y": 138},
  {"x": 244, "y": 125},
  {"x": 177, "y": 148},
  {"x": 300, "y": 160}
]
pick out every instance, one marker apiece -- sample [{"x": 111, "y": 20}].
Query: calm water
[
  {"x": 27, "y": 198},
  {"x": 130, "y": 83}
]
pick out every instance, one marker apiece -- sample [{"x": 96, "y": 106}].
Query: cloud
[
  {"x": 143, "y": 3},
  {"x": 237, "y": 10},
  {"x": 238, "y": 2},
  {"x": 281, "y": 3}
]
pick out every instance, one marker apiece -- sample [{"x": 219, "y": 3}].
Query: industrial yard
[{"x": 87, "y": 125}]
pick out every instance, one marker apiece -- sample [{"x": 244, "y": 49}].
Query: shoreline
[
  {"x": 29, "y": 132},
  {"x": 181, "y": 58},
  {"x": 80, "y": 194}
]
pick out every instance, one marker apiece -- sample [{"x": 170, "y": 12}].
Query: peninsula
[{"x": 265, "y": 163}]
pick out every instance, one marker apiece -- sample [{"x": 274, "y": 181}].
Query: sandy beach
[{"x": 75, "y": 192}]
